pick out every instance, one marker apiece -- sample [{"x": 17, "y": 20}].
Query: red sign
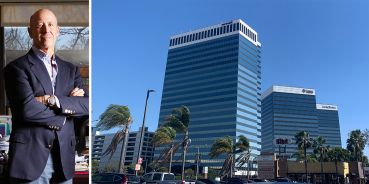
[{"x": 282, "y": 141}]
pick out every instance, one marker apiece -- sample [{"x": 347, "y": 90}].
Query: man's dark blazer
[{"x": 31, "y": 139}]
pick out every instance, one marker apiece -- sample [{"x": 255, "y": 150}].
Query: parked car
[
  {"x": 283, "y": 180},
  {"x": 236, "y": 181},
  {"x": 207, "y": 181},
  {"x": 113, "y": 178},
  {"x": 259, "y": 180},
  {"x": 159, "y": 177},
  {"x": 133, "y": 179}
]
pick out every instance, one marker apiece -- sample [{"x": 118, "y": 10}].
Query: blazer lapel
[{"x": 39, "y": 70}]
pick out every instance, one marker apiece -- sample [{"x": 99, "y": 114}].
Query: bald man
[{"x": 45, "y": 94}]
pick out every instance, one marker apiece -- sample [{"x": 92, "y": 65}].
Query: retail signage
[{"x": 282, "y": 140}]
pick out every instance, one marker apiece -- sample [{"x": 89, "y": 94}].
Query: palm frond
[
  {"x": 220, "y": 146},
  {"x": 164, "y": 156},
  {"x": 175, "y": 123},
  {"x": 163, "y": 135},
  {"x": 118, "y": 137},
  {"x": 226, "y": 168},
  {"x": 243, "y": 158},
  {"x": 179, "y": 119},
  {"x": 114, "y": 116},
  {"x": 242, "y": 144}
]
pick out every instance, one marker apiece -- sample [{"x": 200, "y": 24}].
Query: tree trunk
[
  {"x": 123, "y": 151},
  {"x": 231, "y": 174},
  {"x": 321, "y": 167},
  {"x": 336, "y": 171},
  {"x": 306, "y": 172},
  {"x": 248, "y": 169},
  {"x": 184, "y": 155},
  {"x": 171, "y": 158}
]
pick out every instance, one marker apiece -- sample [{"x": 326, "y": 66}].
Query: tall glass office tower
[
  {"x": 288, "y": 110},
  {"x": 215, "y": 71}
]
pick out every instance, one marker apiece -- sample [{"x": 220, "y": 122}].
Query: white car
[{"x": 159, "y": 177}]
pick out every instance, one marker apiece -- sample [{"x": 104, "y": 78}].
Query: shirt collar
[{"x": 43, "y": 56}]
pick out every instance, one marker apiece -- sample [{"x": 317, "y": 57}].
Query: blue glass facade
[
  {"x": 215, "y": 72},
  {"x": 288, "y": 110},
  {"x": 285, "y": 113},
  {"x": 329, "y": 126}
]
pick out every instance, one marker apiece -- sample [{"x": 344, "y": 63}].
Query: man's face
[{"x": 43, "y": 29}]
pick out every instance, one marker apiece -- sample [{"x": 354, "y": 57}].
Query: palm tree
[
  {"x": 299, "y": 155},
  {"x": 225, "y": 146},
  {"x": 304, "y": 141},
  {"x": 116, "y": 116},
  {"x": 321, "y": 150},
  {"x": 356, "y": 144},
  {"x": 179, "y": 120},
  {"x": 337, "y": 154},
  {"x": 165, "y": 135}
]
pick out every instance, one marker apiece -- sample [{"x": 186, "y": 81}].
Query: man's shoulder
[
  {"x": 64, "y": 62},
  {"x": 19, "y": 62}
]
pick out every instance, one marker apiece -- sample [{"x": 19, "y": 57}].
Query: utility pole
[{"x": 143, "y": 129}]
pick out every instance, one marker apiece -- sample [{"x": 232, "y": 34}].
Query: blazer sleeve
[
  {"x": 22, "y": 100},
  {"x": 75, "y": 106}
]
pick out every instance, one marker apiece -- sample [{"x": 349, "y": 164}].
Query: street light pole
[{"x": 143, "y": 128}]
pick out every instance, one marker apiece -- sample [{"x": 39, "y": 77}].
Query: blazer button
[{"x": 49, "y": 146}]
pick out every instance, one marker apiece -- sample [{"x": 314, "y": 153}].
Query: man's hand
[
  {"x": 42, "y": 99},
  {"x": 77, "y": 92}
]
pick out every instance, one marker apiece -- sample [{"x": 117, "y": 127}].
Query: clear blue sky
[{"x": 312, "y": 44}]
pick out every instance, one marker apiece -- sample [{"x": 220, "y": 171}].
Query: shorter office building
[
  {"x": 289, "y": 110},
  {"x": 100, "y": 143},
  {"x": 329, "y": 126}
]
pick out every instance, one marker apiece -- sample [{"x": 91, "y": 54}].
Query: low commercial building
[
  {"x": 101, "y": 142},
  {"x": 270, "y": 167}
]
